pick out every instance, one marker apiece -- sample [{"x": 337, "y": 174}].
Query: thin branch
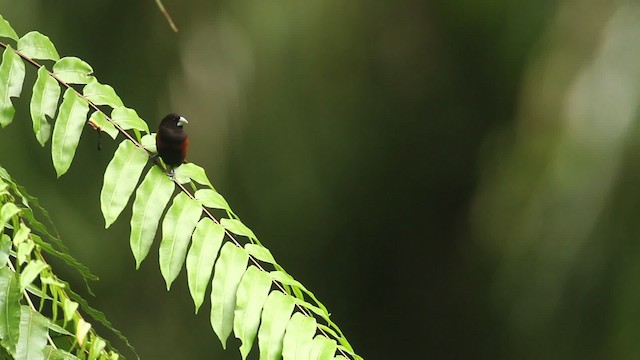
[
  {"x": 180, "y": 186},
  {"x": 167, "y": 16}
]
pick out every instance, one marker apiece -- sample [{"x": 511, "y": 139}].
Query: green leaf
[
  {"x": 100, "y": 94},
  {"x": 37, "y": 46},
  {"x": 251, "y": 296},
  {"x": 149, "y": 143},
  {"x": 237, "y": 227},
  {"x": 73, "y": 70},
  {"x": 128, "y": 119},
  {"x": 82, "y": 329},
  {"x": 340, "y": 357},
  {"x": 7, "y": 211},
  {"x": 44, "y": 102},
  {"x": 59, "y": 329},
  {"x": 69, "y": 308},
  {"x": 31, "y": 272},
  {"x": 288, "y": 280},
  {"x": 226, "y": 277},
  {"x": 275, "y": 317},
  {"x": 322, "y": 348},
  {"x": 349, "y": 351},
  {"x": 6, "y": 31},
  {"x": 152, "y": 197},
  {"x": 5, "y": 247},
  {"x": 260, "y": 252},
  {"x": 205, "y": 245},
  {"x": 298, "y": 337},
  {"x": 97, "y": 345},
  {"x": 21, "y": 234},
  {"x": 24, "y": 252},
  {"x": 211, "y": 199},
  {"x": 33, "y": 334},
  {"x": 177, "y": 227},
  {"x": 11, "y": 79},
  {"x": 67, "y": 130},
  {"x": 100, "y": 120},
  {"x": 120, "y": 179},
  {"x": 97, "y": 315},
  {"x": 56, "y": 354},
  {"x": 9, "y": 308},
  {"x": 190, "y": 171}
]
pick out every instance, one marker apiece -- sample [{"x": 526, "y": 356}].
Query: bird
[{"x": 172, "y": 141}]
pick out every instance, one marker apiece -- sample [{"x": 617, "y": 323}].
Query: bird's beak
[{"x": 182, "y": 121}]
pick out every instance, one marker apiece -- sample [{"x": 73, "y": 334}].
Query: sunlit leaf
[
  {"x": 73, "y": 70},
  {"x": 120, "y": 179},
  {"x": 67, "y": 130},
  {"x": 6, "y": 31},
  {"x": 237, "y": 227},
  {"x": 97, "y": 345},
  {"x": 9, "y": 308},
  {"x": 33, "y": 334},
  {"x": 128, "y": 119},
  {"x": 260, "y": 252},
  {"x": 101, "y": 94},
  {"x": 11, "y": 79},
  {"x": 211, "y": 199},
  {"x": 322, "y": 348},
  {"x": 44, "y": 102},
  {"x": 69, "y": 308},
  {"x": 149, "y": 142},
  {"x": 24, "y": 252},
  {"x": 251, "y": 296},
  {"x": 275, "y": 318},
  {"x": 82, "y": 329},
  {"x": 288, "y": 280},
  {"x": 177, "y": 227},
  {"x": 298, "y": 336},
  {"x": 187, "y": 172},
  {"x": 56, "y": 354},
  {"x": 205, "y": 245},
  {"x": 152, "y": 197},
  {"x": 226, "y": 277},
  {"x": 31, "y": 272},
  {"x": 5, "y": 247},
  {"x": 105, "y": 125},
  {"x": 37, "y": 46},
  {"x": 8, "y": 211}
]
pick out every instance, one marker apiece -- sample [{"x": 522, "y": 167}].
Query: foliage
[{"x": 251, "y": 295}]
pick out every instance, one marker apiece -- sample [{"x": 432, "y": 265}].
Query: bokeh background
[{"x": 454, "y": 179}]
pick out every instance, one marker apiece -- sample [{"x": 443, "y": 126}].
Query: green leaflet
[
  {"x": 69, "y": 308},
  {"x": 6, "y": 30},
  {"x": 190, "y": 171},
  {"x": 57, "y": 354},
  {"x": 44, "y": 102},
  {"x": 7, "y": 211},
  {"x": 298, "y": 336},
  {"x": 349, "y": 351},
  {"x": 97, "y": 345},
  {"x": 73, "y": 70},
  {"x": 227, "y": 274},
  {"x": 100, "y": 94},
  {"x": 33, "y": 334},
  {"x": 152, "y": 197},
  {"x": 148, "y": 142},
  {"x": 128, "y": 119},
  {"x": 105, "y": 125},
  {"x": 120, "y": 179},
  {"x": 11, "y": 79},
  {"x": 237, "y": 227},
  {"x": 286, "y": 279},
  {"x": 260, "y": 252},
  {"x": 177, "y": 227},
  {"x": 275, "y": 317},
  {"x": 67, "y": 130},
  {"x": 322, "y": 348},
  {"x": 211, "y": 199},
  {"x": 5, "y": 247},
  {"x": 205, "y": 245},
  {"x": 251, "y": 296},
  {"x": 9, "y": 308},
  {"x": 30, "y": 272},
  {"x": 340, "y": 357},
  {"x": 37, "y": 46}
]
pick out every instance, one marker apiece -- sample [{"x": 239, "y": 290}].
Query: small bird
[{"x": 172, "y": 141}]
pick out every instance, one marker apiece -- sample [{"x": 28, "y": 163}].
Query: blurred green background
[{"x": 454, "y": 179}]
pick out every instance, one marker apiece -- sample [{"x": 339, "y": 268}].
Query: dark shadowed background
[{"x": 454, "y": 179}]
